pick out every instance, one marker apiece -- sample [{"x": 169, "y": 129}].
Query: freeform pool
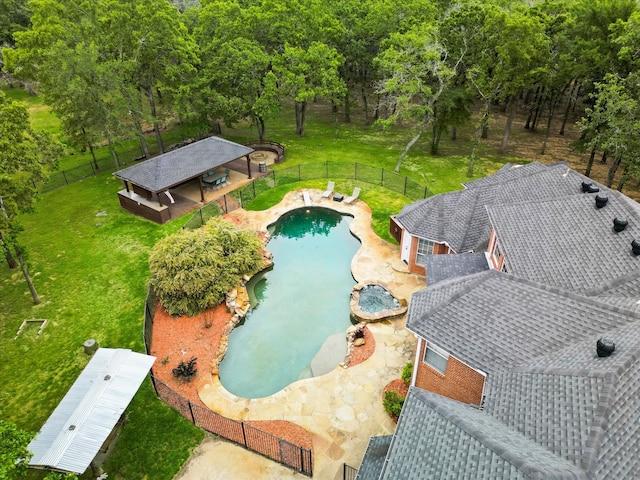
[{"x": 302, "y": 300}]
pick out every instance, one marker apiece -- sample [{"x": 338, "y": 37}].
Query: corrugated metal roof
[{"x": 82, "y": 421}]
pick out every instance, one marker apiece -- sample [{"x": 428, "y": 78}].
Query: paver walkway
[{"x": 341, "y": 409}]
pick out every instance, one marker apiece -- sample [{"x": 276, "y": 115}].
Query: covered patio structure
[
  {"x": 83, "y": 422},
  {"x": 148, "y": 184}
]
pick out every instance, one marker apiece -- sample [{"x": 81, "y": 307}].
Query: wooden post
[{"x": 248, "y": 165}]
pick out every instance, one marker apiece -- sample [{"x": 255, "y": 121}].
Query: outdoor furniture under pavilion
[{"x": 145, "y": 182}]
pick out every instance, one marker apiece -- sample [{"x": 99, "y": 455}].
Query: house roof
[
  {"x": 502, "y": 321},
  {"x": 459, "y": 219},
  {"x": 374, "y": 458},
  {"x": 545, "y": 382},
  {"x": 84, "y": 418},
  {"x": 437, "y": 437},
  {"x": 177, "y": 166},
  {"x": 578, "y": 250},
  {"x": 443, "y": 267}
]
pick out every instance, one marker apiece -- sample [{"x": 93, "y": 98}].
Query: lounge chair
[
  {"x": 329, "y": 190},
  {"x": 306, "y": 198},
  {"x": 354, "y": 196}
]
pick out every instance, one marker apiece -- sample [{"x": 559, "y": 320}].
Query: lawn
[{"x": 88, "y": 259}]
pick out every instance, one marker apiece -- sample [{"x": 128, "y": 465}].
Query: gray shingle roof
[
  {"x": 437, "y": 437},
  {"x": 459, "y": 219},
  {"x": 374, "y": 458},
  {"x": 443, "y": 267},
  {"x": 176, "y": 167},
  {"x": 568, "y": 242},
  {"x": 495, "y": 321}
]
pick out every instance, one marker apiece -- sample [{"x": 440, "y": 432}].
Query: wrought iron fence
[
  {"x": 311, "y": 171},
  {"x": 352, "y": 171},
  {"x": 241, "y": 433},
  {"x": 348, "y": 472}
]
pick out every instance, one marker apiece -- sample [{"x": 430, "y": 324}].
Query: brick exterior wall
[{"x": 459, "y": 382}]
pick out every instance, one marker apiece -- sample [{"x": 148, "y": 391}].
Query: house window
[
  {"x": 425, "y": 247},
  {"x": 436, "y": 357}
]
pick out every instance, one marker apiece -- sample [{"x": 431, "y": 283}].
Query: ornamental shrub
[
  {"x": 392, "y": 403},
  {"x": 192, "y": 270},
  {"x": 407, "y": 372}
]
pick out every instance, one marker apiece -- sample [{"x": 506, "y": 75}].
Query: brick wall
[{"x": 459, "y": 382}]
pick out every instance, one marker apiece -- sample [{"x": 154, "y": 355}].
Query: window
[
  {"x": 436, "y": 357},
  {"x": 425, "y": 247}
]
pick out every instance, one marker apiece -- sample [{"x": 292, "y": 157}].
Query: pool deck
[{"x": 341, "y": 409}]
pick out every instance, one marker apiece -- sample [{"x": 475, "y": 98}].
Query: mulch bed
[{"x": 177, "y": 339}]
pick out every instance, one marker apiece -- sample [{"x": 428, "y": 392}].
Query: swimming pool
[{"x": 302, "y": 300}]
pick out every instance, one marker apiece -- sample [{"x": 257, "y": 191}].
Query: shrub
[
  {"x": 186, "y": 370},
  {"x": 392, "y": 403},
  {"x": 407, "y": 372},
  {"x": 194, "y": 269}
]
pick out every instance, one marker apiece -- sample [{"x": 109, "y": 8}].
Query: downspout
[{"x": 414, "y": 373}]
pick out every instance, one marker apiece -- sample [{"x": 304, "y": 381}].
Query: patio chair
[
  {"x": 330, "y": 186},
  {"x": 306, "y": 198},
  {"x": 354, "y": 196}
]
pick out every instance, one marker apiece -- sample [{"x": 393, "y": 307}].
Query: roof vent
[
  {"x": 605, "y": 347},
  {"x": 635, "y": 247},
  {"x": 592, "y": 189},
  {"x": 601, "y": 200},
  {"x": 586, "y": 186},
  {"x": 619, "y": 224}
]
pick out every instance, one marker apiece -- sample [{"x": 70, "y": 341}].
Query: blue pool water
[{"x": 302, "y": 300}]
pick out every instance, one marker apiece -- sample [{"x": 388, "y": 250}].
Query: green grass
[{"x": 91, "y": 272}]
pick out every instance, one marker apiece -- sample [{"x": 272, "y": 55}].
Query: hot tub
[{"x": 372, "y": 302}]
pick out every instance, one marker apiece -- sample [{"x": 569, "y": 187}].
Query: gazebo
[
  {"x": 147, "y": 184},
  {"x": 85, "y": 418}
]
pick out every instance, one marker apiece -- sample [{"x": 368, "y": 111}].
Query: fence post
[
  {"x": 65, "y": 177},
  {"x": 275, "y": 182},
  {"x": 405, "y": 186},
  {"x": 355, "y": 170},
  {"x": 253, "y": 184},
  {"x": 244, "y": 435},
  {"x": 201, "y": 218},
  {"x": 92, "y": 169},
  {"x": 326, "y": 168},
  {"x": 382, "y": 177},
  {"x": 226, "y": 208},
  {"x": 193, "y": 418},
  {"x": 298, "y": 172}
]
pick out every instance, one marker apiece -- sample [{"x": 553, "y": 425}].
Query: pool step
[{"x": 330, "y": 355}]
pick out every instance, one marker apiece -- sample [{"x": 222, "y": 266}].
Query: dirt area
[{"x": 178, "y": 339}]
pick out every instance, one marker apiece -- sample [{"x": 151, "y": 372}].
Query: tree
[
  {"x": 305, "y": 74},
  {"x": 614, "y": 122},
  {"x": 416, "y": 75},
  {"x": 14, "y": 455},
  {"x": 194, "y": 269},
  {"x": 26, "y": 159}
]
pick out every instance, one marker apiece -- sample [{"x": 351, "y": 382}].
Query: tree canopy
[
  {"x": 194, "y": 269},
  {"x": 106, "y": 65}
]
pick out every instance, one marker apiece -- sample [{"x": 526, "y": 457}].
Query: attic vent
[
  {"x": 635, "y": 247},
  {"x": 593, "y": 189},
  {"x": 586, "y": 186},
  {"x": 619, "y": 224},
  {"x": 601, "y": 200},
  {"x": 605, "y": 347}
]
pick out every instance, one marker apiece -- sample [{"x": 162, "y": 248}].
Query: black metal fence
[
  {"x": 241, "y": 433},
  {"x": 348, "y": 472},
  {"x": 310, "y": 171},
  {"x": 334, "y": 170}
]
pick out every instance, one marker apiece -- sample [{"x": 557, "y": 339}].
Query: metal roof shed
[{"x": 82, "y": 421}]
